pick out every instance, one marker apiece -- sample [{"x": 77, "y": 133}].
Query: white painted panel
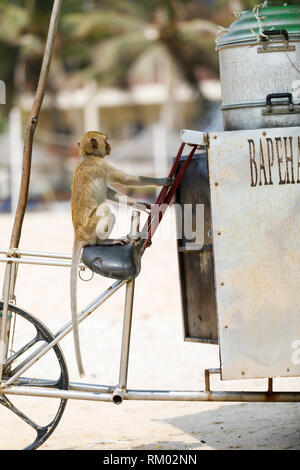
[{"x": 256, "y": 236}]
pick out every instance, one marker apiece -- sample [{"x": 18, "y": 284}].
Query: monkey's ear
[{"x": 94, "y": 144}]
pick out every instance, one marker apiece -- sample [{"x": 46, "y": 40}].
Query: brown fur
[{"x": 92, "y": 174}]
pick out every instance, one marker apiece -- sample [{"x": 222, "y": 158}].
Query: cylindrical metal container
[{"x": 260, "y": 69}]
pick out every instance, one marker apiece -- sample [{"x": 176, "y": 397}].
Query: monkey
[{"x": 92, "y": 218}]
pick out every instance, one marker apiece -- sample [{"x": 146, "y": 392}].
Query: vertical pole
[
  {"x": 135, "y": 222},
  {"x": 15, "y": 150},
  {"x": 32, "y": 124},
  {"x": 8, "y": 285},
  {"x": 270, "y": 385},
  {"x": 8, "y": 297},
  {"x": 4, "y": 322},
  {"x": 126, "y": 334}
]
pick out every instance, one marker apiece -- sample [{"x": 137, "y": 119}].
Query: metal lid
[{"x": 251, "y": 24}]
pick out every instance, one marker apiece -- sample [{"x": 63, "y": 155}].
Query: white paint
[{"x": 193, "y": 137}]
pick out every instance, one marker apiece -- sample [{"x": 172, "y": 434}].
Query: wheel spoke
[
  {"x": 8, "y": 404},
  {"x": 27, "y": 381},
  {"x": 44, "y": 336},
  {"x": 19, "y": 366},
  {"x": 21, "y": 351}
]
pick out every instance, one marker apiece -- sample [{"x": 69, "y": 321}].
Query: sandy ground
[{"x": 159, "y": 359}]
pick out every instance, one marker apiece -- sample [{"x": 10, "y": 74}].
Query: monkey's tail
[{"x": 76, "y": 256}]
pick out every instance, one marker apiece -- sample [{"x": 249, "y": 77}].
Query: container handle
[
  {"x": 274, "y": 96},
  {"x": 275, "y": 32}
]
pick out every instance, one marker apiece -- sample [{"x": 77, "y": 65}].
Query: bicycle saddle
[{"x": 121, "y": 262}]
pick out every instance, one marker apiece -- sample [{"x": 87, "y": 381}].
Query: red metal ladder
[{"x": 165, "y": 196}]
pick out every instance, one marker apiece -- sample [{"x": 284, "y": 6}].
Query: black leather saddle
[{"x": 121, "y": 262}]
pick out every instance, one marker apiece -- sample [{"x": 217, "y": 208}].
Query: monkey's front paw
[{"x": 143, "y": 206}]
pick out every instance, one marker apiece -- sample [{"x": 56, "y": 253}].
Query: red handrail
[{"x": 165, "y": 196}]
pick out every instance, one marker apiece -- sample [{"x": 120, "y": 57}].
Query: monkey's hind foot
[
  {"x": 121, "y": 241},
  {"x": 117, "y": 241}
]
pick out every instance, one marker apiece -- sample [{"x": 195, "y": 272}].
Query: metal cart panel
[{"x": 255, "y": 201}]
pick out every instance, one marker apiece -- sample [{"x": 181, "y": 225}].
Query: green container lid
[{"x": 269, "y": 17}]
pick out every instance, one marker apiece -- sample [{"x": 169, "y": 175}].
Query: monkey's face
[{"x": 94, "y": 143}]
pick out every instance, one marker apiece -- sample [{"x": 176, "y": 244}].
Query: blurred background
[{"x": 139, "y": 70}]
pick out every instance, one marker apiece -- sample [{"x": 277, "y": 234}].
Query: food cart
[{"x": 240, "y": 289}]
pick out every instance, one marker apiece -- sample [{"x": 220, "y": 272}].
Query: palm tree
[
  {"x": 104, "y": 37},
  {"x": 23, "y": 29},
  {"x": 119, "y": 32},
  {"x": 102, "y": 40}
]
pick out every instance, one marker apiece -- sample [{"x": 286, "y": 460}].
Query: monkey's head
[{"x": 94, "y": 143}]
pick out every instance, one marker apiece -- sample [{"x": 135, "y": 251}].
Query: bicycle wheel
[{"x": 27, "y": 422}]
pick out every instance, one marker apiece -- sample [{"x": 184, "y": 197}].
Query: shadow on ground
[{"x": 242, "y": 426}]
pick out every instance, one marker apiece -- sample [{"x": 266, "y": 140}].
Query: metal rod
[
  {"x": 39, "y": 253},
  {"x": 82, "y": 387},
  {"x": 169, "y": 395},
  {"x": 78, "y": 386},
  {"x": 37, "y": 261},
  {"x": 11, "y": 299},
  {"x": 156, "y": 395},
  {"x": 13, "y": 277},
  {"x": 21, "y": 351},
  {"x": 207, "y": 374},
  {"x": 126, "y": 334},
  {"x": 57, "y": 393},
  {"x": 65, "y": 330},
  {"x": 207, "y": 380},
  {"x": 135, "y": 223},
  {"x": 127, "y": 321},
  {"x": 34, "y": 382},
  {"x": 3, "y": 338},
  {"x": 25, "y": 361},
  {"x": 270, "y": 385}
]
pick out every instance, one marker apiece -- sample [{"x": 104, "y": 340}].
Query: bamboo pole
[
  {"x": 32, "y": 124},
  {"x": 9, "y": 283}
]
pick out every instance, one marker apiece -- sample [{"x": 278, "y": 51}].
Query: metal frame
[
  {"x": 117, "y": 393},
  {"x": 114, "y": 393}
]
